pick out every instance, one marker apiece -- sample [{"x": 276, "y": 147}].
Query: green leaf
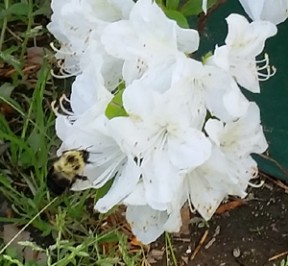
[
  {"x": 6, "y": 89},
  {"x": 115, "y": 108},
  {"x": 172, "y": 4},
  {"x": 11, "y": 60},
  {"x": 194, "y": 7},
  {"x": 14, "y": 261},
  {"x": 44, "y": 9},
  {"x": 18, "y": 9},
  {"x": 178, "y": 17}
]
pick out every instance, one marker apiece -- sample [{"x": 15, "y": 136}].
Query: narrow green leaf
[{"x": 14, "y": 261}]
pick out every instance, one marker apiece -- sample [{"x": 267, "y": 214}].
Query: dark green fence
[{"x": 273, "y": 99}]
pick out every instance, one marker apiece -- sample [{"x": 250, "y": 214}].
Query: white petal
[
  {"x": 161, "y": 180},
  {"x": 210, "y": 183},
  {"x": 221, "y": 57},
  {"x": 275, "y": 11},
  {"x": 174, "y": 221},
  {"x": 124, "y": 36},
  {"x": 253, "y": 8},
  {"x": 188, "y": 149},
  {"x": 248, "y": 39},
  {"x": 62, "y": 127},
  {"x": 270, "y": 10},
  {"x": 187, "y": 40},
  {"x": 214, "y": 128},
  {"x": 108, "y": 10},
  {"x": 246, "y": 134},
  {"x": 138, "y": 100},
  {"x": 123, "y": 185},
  {"x": 241, "y": 137},
  {"x": 146, "y": 223},
  {"x": 137, "y": 196},
  {"x": 246, "y": 74},
  {"x": 153, "y": 25},
  {"x": 128, "y": 136},
  {"x": 204, "y": 6},
  {"x": 235, "y": 102},
  {"x": 81, "y": 185},
  {"x": 204, "y": 198}
]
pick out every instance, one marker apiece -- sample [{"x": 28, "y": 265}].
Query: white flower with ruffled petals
[
  {"x": 148, "y": 38},
  {"x": 166, "y": 120},
  {"x": 221, "y": 95},
  {"x": 243, "y": 43},
  {"x": 78, "y": 23},
  {"x": 230, "y": 167},
  {"x": 107, "y": 159},
  {"x": 152, "y": 223}
]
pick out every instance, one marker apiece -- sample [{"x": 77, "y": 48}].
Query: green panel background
[{"x": 273, "y": 99}]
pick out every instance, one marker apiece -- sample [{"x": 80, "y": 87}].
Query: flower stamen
[
  {"x": 260, "y": 184},
  {"x": 66, "y": 72},
  {"x": 271, "y": 70}
]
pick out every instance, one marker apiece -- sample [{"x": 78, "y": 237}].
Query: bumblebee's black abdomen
[{"x": 58, "y": 185}]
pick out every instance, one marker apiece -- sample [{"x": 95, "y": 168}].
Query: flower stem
[{"x": 170, "y": 247}]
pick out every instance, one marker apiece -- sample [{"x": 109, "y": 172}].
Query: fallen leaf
[{"x": 229, "y": 206}]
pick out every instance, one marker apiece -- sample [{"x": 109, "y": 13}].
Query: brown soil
[{"x": 248, "y": 235}]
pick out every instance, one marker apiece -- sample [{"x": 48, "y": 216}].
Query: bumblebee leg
[{"x": 81, "y": 177}]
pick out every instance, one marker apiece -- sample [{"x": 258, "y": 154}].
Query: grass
[{"x": 68, "y": 232}]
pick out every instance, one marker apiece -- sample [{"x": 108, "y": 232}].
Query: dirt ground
[{"x": 248, "y": 235}]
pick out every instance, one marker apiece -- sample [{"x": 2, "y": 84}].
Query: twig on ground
[
  {"x": 200, "y": 244},
  {"x": 276, "y": 182},
  {"x": 275, "y": 257}
]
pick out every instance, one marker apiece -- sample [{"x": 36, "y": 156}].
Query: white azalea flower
[
  {"x": 167, "y": 122},
  {"x": 239, "y": 138},
  {"x": 220, "y": 93},
  {"x": 78, "y": 23},
  {"x": 270, "y": 10},
  {"x": 89, "y": 89},
  {"x": 243, "y": 43},
  {"x": 106, "y": 158},
  {"x": 148, "y": 38},
  {"x": 149, "y": 225},
  {"x": 217, "y": 178},
  {"x": 207, "y": 185},
  {"x": 152, "y": 223},
  {"x": 230, "y": 167}
]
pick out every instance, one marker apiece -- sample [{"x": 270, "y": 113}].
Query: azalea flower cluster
[{"x": 185, "y": 132}]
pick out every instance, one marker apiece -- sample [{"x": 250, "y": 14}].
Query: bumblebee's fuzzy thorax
[{"x": 66, "y": 170}]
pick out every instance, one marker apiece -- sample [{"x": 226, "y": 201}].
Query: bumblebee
[{"x": 66, "y": 169}]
